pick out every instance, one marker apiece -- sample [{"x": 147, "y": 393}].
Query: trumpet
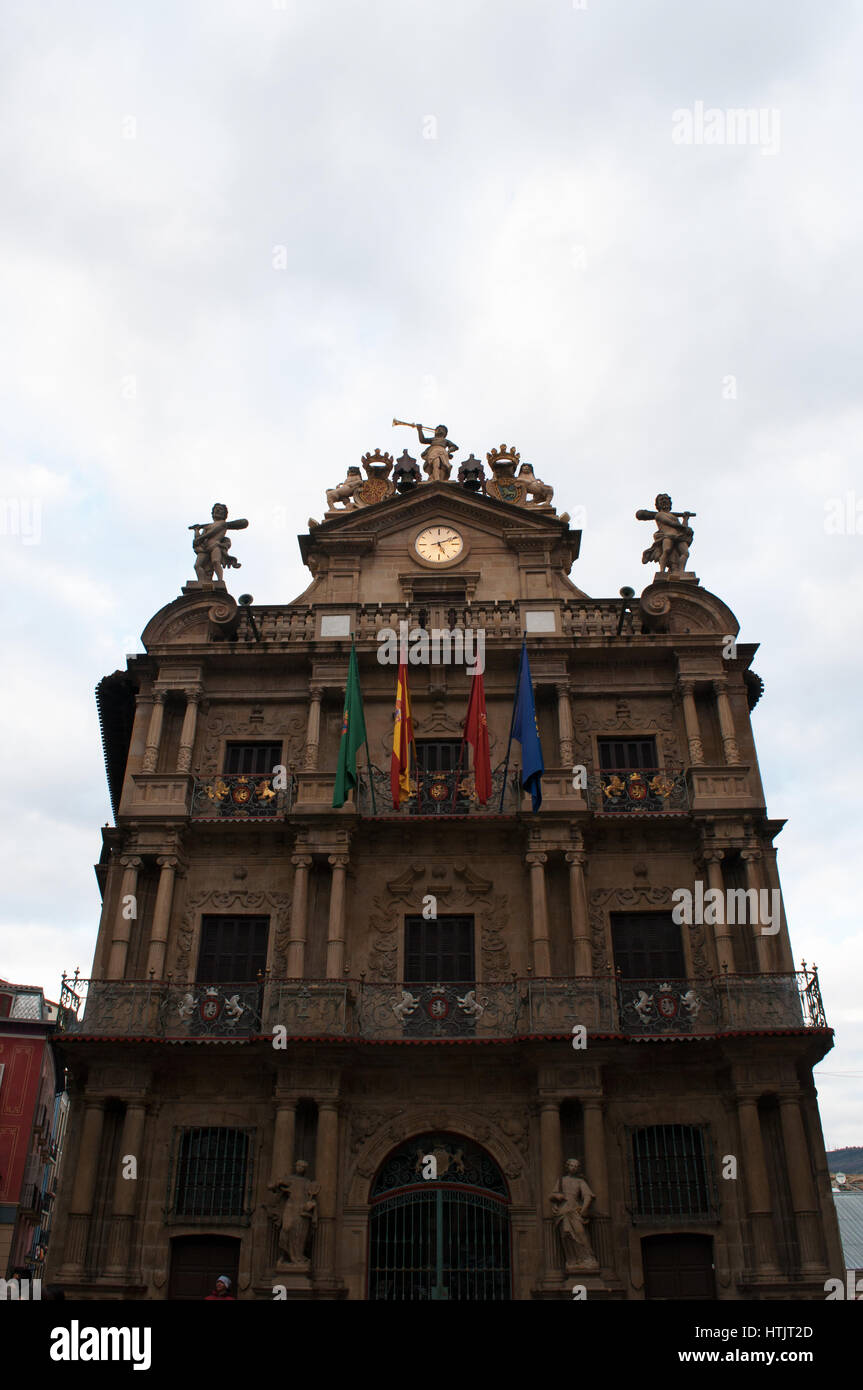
[{"x": 409, "y": 425}]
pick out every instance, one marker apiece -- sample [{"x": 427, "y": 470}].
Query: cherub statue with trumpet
[{"x": 438, "y": 456}]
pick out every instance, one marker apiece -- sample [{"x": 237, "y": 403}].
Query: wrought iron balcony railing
[
  {"x": 241, "y": 796},
  {"x": 641, "y": 792},
  {"x": 437, "y": 794},
  {"x": 495, "y": 1010}
]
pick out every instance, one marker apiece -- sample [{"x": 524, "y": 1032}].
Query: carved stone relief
[
  {"x": 595, "y": 716},
  {"x": 276, "y": 905},
  {"x": 273, "y": 722},
  {"x": 604, "y": 901},
  {"x": 471, "y": 892}
]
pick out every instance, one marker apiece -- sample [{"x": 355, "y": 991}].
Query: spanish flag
[{"x": 403, "y": 737}]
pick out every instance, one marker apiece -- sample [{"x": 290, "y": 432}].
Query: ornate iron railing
[
  {"x": 437, "y": 794},
  {"x": 377, "y": 1010},
  {"x": 627, "y": 789},
  {"x": 242, "y": 796}
]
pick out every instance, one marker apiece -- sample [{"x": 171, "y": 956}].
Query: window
[
  {"x": 669, "y": 1174},
  {"x": 631, "y": 754},
  {"x": 255, "y": 759},
  {"x": 647, "y": 946},
  {"x": 213, "y": 1174},
  {"x": 437, "y": 773},
  {"x": 233, "y": 949},
  {"x": 440, "y": 951}
]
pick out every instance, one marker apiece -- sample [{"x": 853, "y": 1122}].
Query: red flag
[
  {"x": 476, "y": 734},
  {"x": 403, "y": 737}
]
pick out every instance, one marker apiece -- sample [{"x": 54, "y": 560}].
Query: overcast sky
[{"x": 238, "y": 238}]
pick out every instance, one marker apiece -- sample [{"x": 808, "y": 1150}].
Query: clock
[{"x": 437, "y": 544}]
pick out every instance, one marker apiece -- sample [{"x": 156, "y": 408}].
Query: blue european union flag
[{"x": 525, "y": 731}]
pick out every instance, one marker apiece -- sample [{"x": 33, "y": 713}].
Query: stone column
[
  {"x": 313, "y": 727},
  {"x": 83, "y": 1189},
  {"x": 326, "y": 1175},
  {"x": 595, "y": 1163},
  {"x": 161, "y": 915},
  {"x": 757, "y": 1186},
  {"x": 782, "y": 948},
  {"x": 539, "y": 916},
  {"x": 552, "y": 1171},
  {"x": 722, "y": 933},
  {"x": 154, "y": 733},
  {"x": 336, "y": 924},
  {"x": 299, "y": 916},
  {"x": 581, "y": 940},
  {"x": 126, "y": 1190},
  {"x": 283, "y": 1140},
  {"x": 122, "y": 930},
  {"x": 730, "y": 750},
  {"x": 564, "y": 723},
  {"x": 187, "y": 733},
  {"x": 690, "y": 719},
  {"x": 752, "y": 860},
  {"x": 803, "y": 1195}
]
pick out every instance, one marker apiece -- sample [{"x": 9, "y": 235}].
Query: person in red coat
[{"x": 222, "y": 1290}]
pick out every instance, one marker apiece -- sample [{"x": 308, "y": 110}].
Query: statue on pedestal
[
  {"x": 571, "y": 1201},
  {"x": 298, "y": 1216},
  {"x": 539, "y": 492},
  {"x": 345, "y": 491},
  {"x": 211, "y": 544},
  {"x": 671, "y": 539}
]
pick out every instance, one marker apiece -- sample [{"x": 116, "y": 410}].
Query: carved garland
[
  {"x": 273, "y": 723},
  {"x": 231, "y": 900},
  {"x": 604, "y": 901},
  {"x": 375, "y": 1131},
  {"x": 473, "y": 890}
]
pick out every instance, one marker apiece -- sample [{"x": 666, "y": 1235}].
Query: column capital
[
  {"x": 576, "y": 858},
  {"x": 159, "y": 696},
  {"x": 687, "y": 687},
  {"x": 562, "y": 688},
  {"x": 316, "y": 692},
  {"x": 301, "y": 861},
  {"x": 535, "y": 859},
  {"x": 131, "y": 861},
  {"x": 719, "y": 684},
  {"x": 748, "y": 855},
  {"x": 194, "y": 694},
  {"x": 338, "y": 861},
  {"x": 713, "y": 856},
  {"x": 168, "y": 861}
]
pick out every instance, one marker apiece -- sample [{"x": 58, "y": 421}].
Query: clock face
[{"x": 438, "y": 544}]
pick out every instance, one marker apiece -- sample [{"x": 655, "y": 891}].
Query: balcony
[
  {"x": 241, "y": 796},
  {"x": 639, "y": 792},
  {"x": 361, "y": 1010},
  {"x": 438, "y": 794}
]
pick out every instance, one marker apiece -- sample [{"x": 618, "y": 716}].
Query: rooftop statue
[
  {"x": 539, "y": 492},
  {"x": 345, "y": 491},
  {"x": 438, "y": 456},
  {"x": 671, "y": 539},
  {"x": 211, "y": 544}
]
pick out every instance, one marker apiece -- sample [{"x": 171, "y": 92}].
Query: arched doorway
[{"x": 444, "y": 1236}]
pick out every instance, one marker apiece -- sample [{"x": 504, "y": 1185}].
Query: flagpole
[
  {"x": 368, "y": 757},
  {"x": 512, "y": 723}
]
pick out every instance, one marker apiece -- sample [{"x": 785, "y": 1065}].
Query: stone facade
[{"x": 338, "y": 1050}]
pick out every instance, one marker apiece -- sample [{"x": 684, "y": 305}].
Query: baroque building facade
[{"x": 454, "y": 1050}]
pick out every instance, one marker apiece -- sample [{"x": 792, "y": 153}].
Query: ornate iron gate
[{"x": 443, "y": 1239}]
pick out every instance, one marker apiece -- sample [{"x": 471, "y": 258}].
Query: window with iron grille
[
  {"x": 647, "y": 946},
  {"x": 213, "y": 1175},
  {"x": 670, "y": 1174},
  {"x": 233, "y": 949},
  {"x": 439, "y": 951},
  {"x": 257, "y": 759},
  {"x": 617, "y": 754}
]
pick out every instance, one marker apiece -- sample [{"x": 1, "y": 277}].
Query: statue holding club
[
  {"x": 671, "y": 539},
  {"x": 211, "y": 544}
]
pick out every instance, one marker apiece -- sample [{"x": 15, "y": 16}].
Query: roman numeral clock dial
[{"x": 438, "y": 544}]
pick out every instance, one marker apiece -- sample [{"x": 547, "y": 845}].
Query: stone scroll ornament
[
  {"x": 671, "y": 539},
  {"x": 211, "y": 544}
]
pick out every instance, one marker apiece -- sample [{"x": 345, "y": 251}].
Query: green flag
[{"x": 353, "y": 734}]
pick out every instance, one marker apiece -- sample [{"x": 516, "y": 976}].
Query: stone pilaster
[
  {"x": 299, "y": 916},
  {"x": 126, "y": 1189},
  {"x": 336, "y": 924},
  {"x": 581, "y": 940},
  {"x": 313, "y": 728},
  {"x": 187, "y": 733},
  {"x": 154, "y": 733},
  {"x": 122, "y": 929},
  {"x": 721, "y": 931},
  {"x": 730, "y": 750},
  {"x": 564, "y": 723},
  {"x": 160, "y": 926},
  {"x": 757, "y": 1183},
  {"x": 690, "y": 719},
  {"x": 539, "y": 915},
  {"x": 803, "y": 1196},
  {"x": 326, "y": 1175},
  {"x": 552, "y": 1167},
  {"x": 83, "y": 1189}
]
